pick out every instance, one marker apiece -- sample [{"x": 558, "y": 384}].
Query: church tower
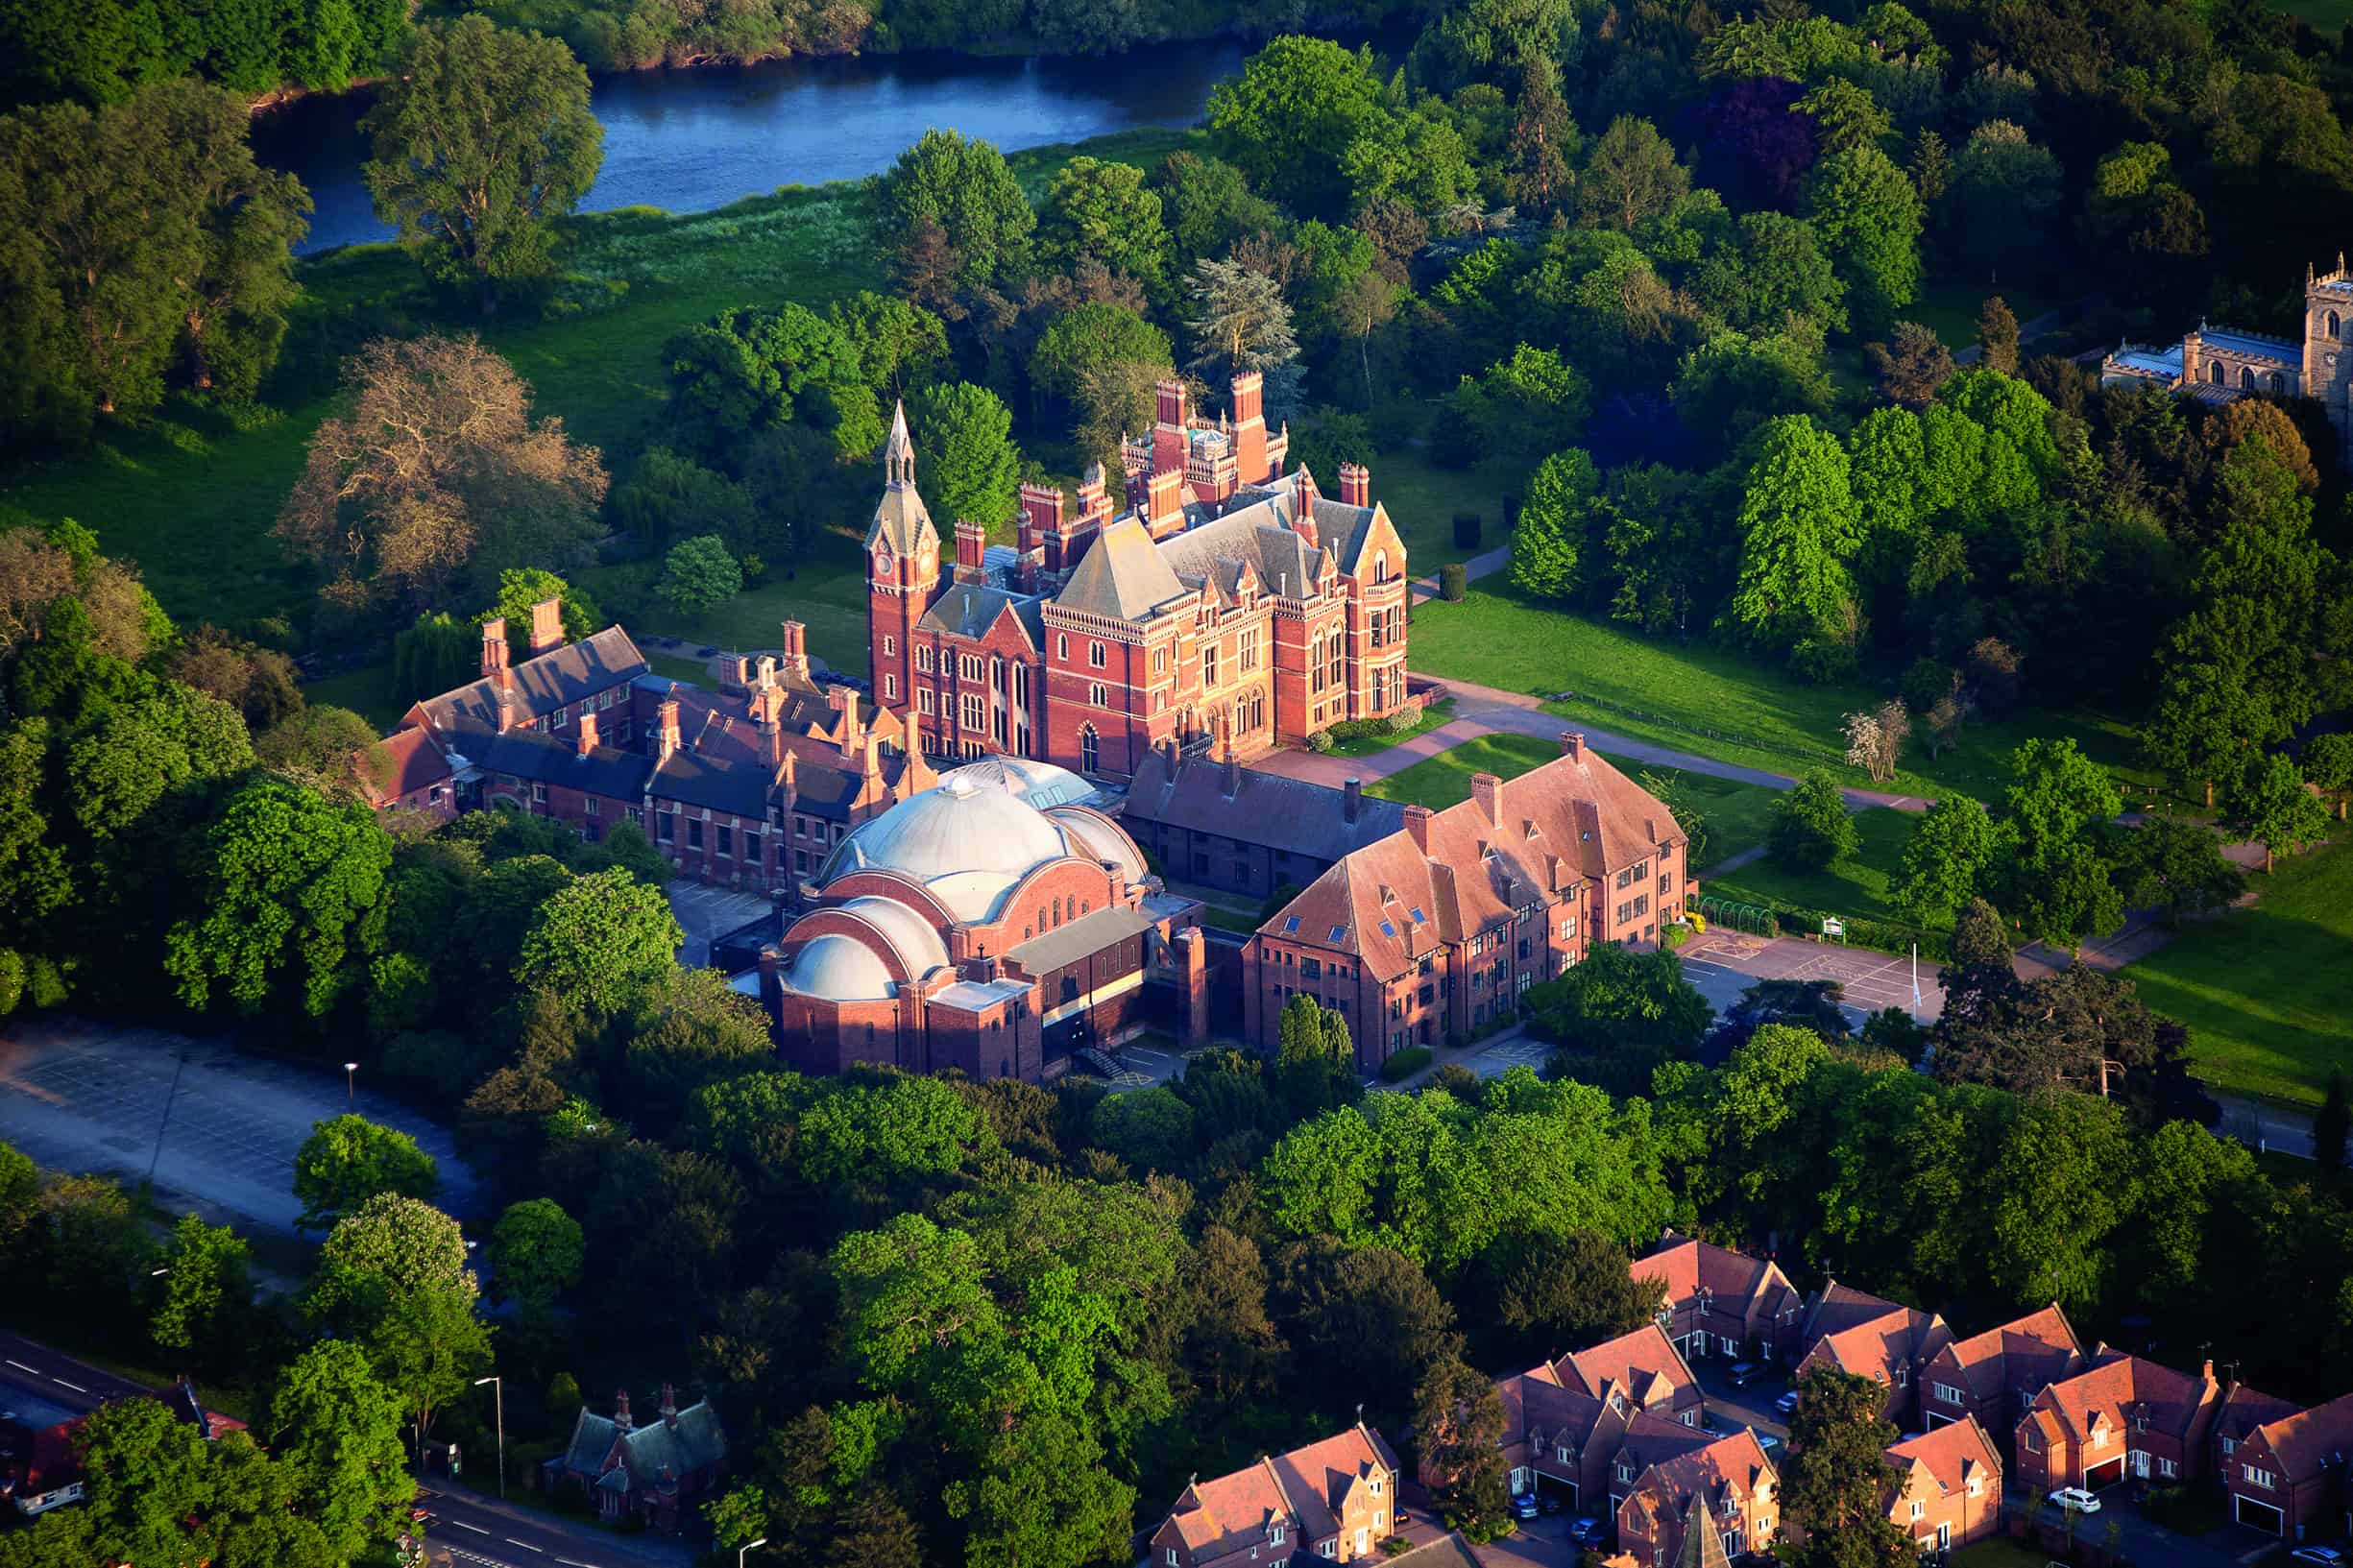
[
  {"x": 901, "y": 570},
  {"x": 2328, "y": 346}
]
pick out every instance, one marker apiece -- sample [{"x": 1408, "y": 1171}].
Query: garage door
[
  {"x": 2262, "y": 1515},
  {"x": 2106, "y": 1472}
]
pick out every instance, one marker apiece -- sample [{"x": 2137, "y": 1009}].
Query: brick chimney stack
[
  {"x": 665, "y": 722},
  {"x": 621, "y": 1410},
  {"x": 1303, "y": 497},
  {"x": 971, "y": 541},
  {"x": 1164, "y": 500},
  {"x": 1488, "y": 790},
  {"x": 1355, "y": 485},
  {"x": 1354, "y": 806},
  {"x": 494, "y": 653},
  {"x": 588, "y": 733},
  {"x": 1249, "y": 430},
  {"x": 1572, "y": 745},
  {"x": 1168, "y": 431},
  {"x": 669, "y": 1407},
  {"x": 547, "y": 626},
  {"x": 1418, "y": 827},
  {"x": 794, "y": 664}
]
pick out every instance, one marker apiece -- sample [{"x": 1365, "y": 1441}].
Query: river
[{"x": 697, "y": 138}]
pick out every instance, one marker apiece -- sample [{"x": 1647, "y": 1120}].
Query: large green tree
[
  {"x": 1868, "y": 214},
  {"x": 348, "y": 1160},
  {"x": 599, "y": 943},
  {"x": 1837, "y": 1478},
  {"x": 2281, "y": 810},
  {"x": 338, "y": 1431},
  {"x": 1799, "y": 526},
  {"x": 1945, "y": 860},
  {"x": 1104, "y": 212},
  {"x": 953, "y": 219},
  {"x": 964, "y": 454},
  {"x": 480, "y": 139},
  {"x": 1551, "y": 542},
  {"x": 207, "y": 1291},
  {"x": 1288, "y": 117},
  {"x": 1459, "y": 1432}
]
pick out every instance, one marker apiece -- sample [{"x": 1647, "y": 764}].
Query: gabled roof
[
  {"x": 1687, "y": 1265},
  {"x": 556, "y": 759},
  {"x": 1284, "y": 814},
  {"x": 713, "y": 783},
  {"x": 1711, "y": 1470},
  {"x": 650, "y": 1452},
  {"x": 1304, "y": 1488},
  {"x": 2242, "y": 1409},
  {"x": 2122, "y": 1392},
  {"x": 1948, "y": 1458},
  {"x": 2021, "y": 1354},
  {"x": 1869, "y": 1337},
  {"x": 1122, "y": 577},
  {"x": 1644, "y": 1363},
  {"x": 410, "y": 760},
  {"x": 968, "y": 609},
  {"x": 2304, "y": 1443},
  {"x": 555, "y": 679}
]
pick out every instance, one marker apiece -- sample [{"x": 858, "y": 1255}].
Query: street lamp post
[
  {"x": 350, "y": 1085},
  {"x": 745, "y": 1550},
  {"x": 498, "y": 1391}
]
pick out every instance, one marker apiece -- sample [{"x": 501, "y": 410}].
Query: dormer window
[{"x": 1274, "y": 1537}]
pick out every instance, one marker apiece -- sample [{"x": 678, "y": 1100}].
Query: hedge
[
  {"x": 1451, "y": 578},
  {"x": 1406, "y": 1063}
]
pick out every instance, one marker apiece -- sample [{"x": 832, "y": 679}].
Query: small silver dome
[
  {"x": 1041, "y": 785},
  {"x": 839, "y": 969}
]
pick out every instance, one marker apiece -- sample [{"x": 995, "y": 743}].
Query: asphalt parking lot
[
  {"x": 216, "y": 1130},
  {"x": 1723, "y": 964}
]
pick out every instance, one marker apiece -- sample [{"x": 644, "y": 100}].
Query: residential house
[
  {"x": 1207, "y": 819},
  {"x": 1566, "y": 1420},
  {"x": 2289, "y": 1478},
  {"x": 2123, "y": 1416},
  {"x": 1869, "y": 1337},
  {"x": 1434, "y": 931},
  {"x": 1725, "y": 1485},
  {"x": 657, "y": 1473},
  {"x": 1333, "y": 1500},
  {"x": 2241, "y": 1411},
  {"x": 1949, "y": 1491},
  {"x": 1993, "y": 1376},
  {"x": 1723, "y": 1303}
]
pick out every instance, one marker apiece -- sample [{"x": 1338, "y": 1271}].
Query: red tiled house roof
[
  {"x": 1746, "y": 1297},
  {"x": 1999, "y": 1372},
  {"x": 1730, "y": 1474},
  {"x": 2083, "y": 1429},
  {"x": 1869, "y": 1337},
  {"x": 2240, "y": 1412},
  {"x": 2290, "y": 1465},
  {"x": 1644, "y": 1365},
  {"x": 1289, "y": 1502},
  {"x": 1950, "y": 1478}
]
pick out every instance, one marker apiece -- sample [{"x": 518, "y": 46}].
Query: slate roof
[
  {"x": 713, "y": 783},
  {"x": 648, "y": 1450},
  {"x": 1288, "y": 814},
  {"x": 1074, "y": 939},
  {"x": 2258, "y": 344},
  {"x": 968, "y": 609},
  {"x": 1122, "y": 577},
  {"x": 555, "y": 679},
  {"x": 556, "y": 759}
]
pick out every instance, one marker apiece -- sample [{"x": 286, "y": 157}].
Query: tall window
[
  {"x": 1209, "y": 663},
  {"x": 1249, "y": 650},
  {"x": 1090, "y": 749},
  {"x": 1095, "y": 656}
]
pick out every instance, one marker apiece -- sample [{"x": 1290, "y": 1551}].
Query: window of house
[
  {"x": 751, "y": 844},
  {"x": 1061, "y": 646},
  {"x": 1919, "y": 1508},
  {"x": 1947, "y": 1392},
  {"x": 922, "y": 657},
  {"x": 890, "y": 685},
  {"x": 727, "y": 840},
  {"x": 563, "y": 717},
  {"x": 890, "y": 645},
  {"x": 590, "y": 807},
  {"x": 1246, "y": 649},
  {"x": 1976, "y": 1485},
  {"x": 970, "y": 712},
  {"x": 2034, "y": 1444},
  {"x": 923, "y": 699},
  {"x": 2257, "y": 1478},
  {"x": 2164, "y": 1467},
  {"x": 1330, "y": 1547},
  {"x": 1376, "y": 1489},
  {"x": 2229, "y": 1445},
  {"x": 1159, "y": 661},
  {"x": 1095, "y": 656},
  {"x": 1098, "y": 696},
  {"x": 1274, "y": 1537},
  {"x": 637, "y": 815},
  {"x": 1209, "y": 663},
  {"x": 539, "y": 792},
  {"x": 694, "y": 834}
]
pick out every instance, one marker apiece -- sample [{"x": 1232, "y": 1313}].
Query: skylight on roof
[
  {"x": 1338, "y": 932},
  {"x": 1388, "y": 931},
  {"x": 1420, "y": 919},
  {"x": 1290, "y": 927}
]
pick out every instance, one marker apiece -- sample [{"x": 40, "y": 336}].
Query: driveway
[
  {"x": 1542, "y": 1542},
  {"x": 2141, "y": 1542},
  {"x": 214, "y": 1129},
  {"x": 1729, "y": 1408}
]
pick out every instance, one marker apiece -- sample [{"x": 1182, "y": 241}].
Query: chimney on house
[
  {"x": 1352, "y": 806},
  {"x": 1572, "y": 745},
  {"x": 1094, "y": 505},
  {"x": 669, "y": 1407},
  {"x": 1233, "y": 763},
  {"x": 1249, "y": 430},
  {"x": 1488, "y": 790},
  {"x": 587, "y": 735},
  {"x": 765, "y": 671},
  {"x": 494, "y": 653},
  {"x": 547, "y": 626},
  {"x": 844, "y": 703},
  {"x": 1164, "y": 500},
  {"x": 665, "y": 722},
  {"x": 1418, "y": 827},
  {"x": 621, "y": 1410},
  {"x": 794, "y": 664},
  {"x": 1355, "y": 485},
  {"x": 1041, "y": 515},
  {"x": 971, "y": 539},
  {"x": 1168, "y": 431},
  {"x": 1303, "y": 497}
]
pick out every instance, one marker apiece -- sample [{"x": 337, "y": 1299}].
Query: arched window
[
  {"x": 2335, "y": 327},
  {"x": 2247, "y": 379},
  {"x": 2278, "y": 384},
  {"x": 1380, "y": 568},
  {"x": 1057, "y": 911},
  {"x": 2215, "y": 373},
  {"x": 1090, "y": 749}
]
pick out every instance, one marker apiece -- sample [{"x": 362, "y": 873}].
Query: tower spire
[{"x": 899, "y": 453}]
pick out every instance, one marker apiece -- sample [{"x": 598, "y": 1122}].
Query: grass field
[
  {"x": 1710, "y": 700},
  {"x": 1737, "y": 814},
  {"x": 1857, "y": 887},
  {"x": 1439, "y": 782},
  {"x": 2326, "y": 18},
  {"x": 2267, "y": 990},
  {"x": 1435, "y": 715},
  {"x": 1421, "y": 500}
]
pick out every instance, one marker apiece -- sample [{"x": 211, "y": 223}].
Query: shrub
[
  {"x": 1466, "y": 530},
  {"x": 1403, "y": 720},
  {"x": 1405, "y": 1063},
  {"x": 1320, "y": 741},
  {"x": 1451, "y": 582}
]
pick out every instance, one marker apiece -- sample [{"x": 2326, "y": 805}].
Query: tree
[
  {"x": 1298, "y": 104},
  {"x": 1911, "y": 367},
  {"x": 390, "y": 1245},
  {"x": 1150, "y": 1129},
  {"x": 1845, "y": 116},
  {"x": 427, "y": 1347},
  {"x": 536, "y": 1251},
  {"x": 147, "y": 1476},
  {"x": 337, "y": 1431},
  {"x": 1240, "y": 321},
  {"x": 140, "y": 230},
  {"x": 287, "y": 891},
  {"x": 749, "y": 368},
  {"x": 1630, "y": 1011},
  {"x": 348, "y": 1160},
  {"x": 1315, "y": 1058},
  {"x": 1799, "y": 526},
  {"x": 2175, "y": 867},
  {"x": 1459, "y": 1428},
  {"x": 1104, "y": 212},
  {"x": 519, "y": 588},
  {"x": 1998, "y": 337},
  {"x": 965, "y": 454},
  {"x": 1944, "y": 860},
  {"x": 207, "y": 1291},
  {"x": 1812, "y": 828},
  {"x": 698, "y": 573},
  {"x": 2328, "y": 762},
  {"x": 477, "y": 142},
  {"x": 1574, "y": 1291},
  {"x": 599, "y": 943},
  {"x": 1875, "y": 740},
  {"x": 2051, "y": 875},
  {"x": 2331, "y": 1125},
  {"x": 1543, "y": 139},
  {"x": 1631, "y": 176},
  {"x": 1549, "y": 540},
  {"x": 1836, "y": 1479},
  {"x": 1208, "y": 205},
  {"x": 899, "y": 344},
  {"x": 2002, "y": 188},
  {"x": 1089, "y": 338},
  {"x": 953, "y": 219},
  {"x": 1777, "y": 271},
  {"x": 438, "y": 464},
  {"x": 2280, "y": 808},
  {"x": 1868, "y": 215}
]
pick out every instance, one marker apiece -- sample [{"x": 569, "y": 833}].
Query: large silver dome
[
  {"x": 1041, "y": 785},
  {"x": 966, "y": 839}
]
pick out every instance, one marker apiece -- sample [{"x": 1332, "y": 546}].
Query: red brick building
[
  {"x": 1436, "y": 929},
  {"x": 1726, "y": 1486},
  {"x": 1227, "y": 598},
  {"x": 656, "y": 1473},
  {"x": 2289, "y": 1477},
  {"x": 1992, "y": 1376},
  {"x": 991, "y": 925},
  {"x": 1333, "y": 1500},
  {"x": 1868, "y": 1336},
  {"x": 1566, "y": 1422},
  {"x": 1723, "y": 1303},
  {"x": 2122, "y": 1416},
  {"x": 1949, "y": 1490}
]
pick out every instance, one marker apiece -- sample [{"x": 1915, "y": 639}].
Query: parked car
[
  {"x": 1588, "y": 1530},
  {"x": 2328, "y": 1556},
  {"x": 1768, "y": 1442},
  {"x": 1744, "y": 1373},
  {"x": 1524, "y": 1505},
  {"x": 1550, "y": 1501},
  {"x": 2075, "y": 1500},
  {"x": 1787, "y": 1404}
]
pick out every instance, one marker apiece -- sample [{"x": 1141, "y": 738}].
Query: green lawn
[
  {"x": 1437, "y": 716},
  {"x": 1439, "y": 782},
  {"x": 1421, "y": 500},
  {"x": 1999, "y": 1553},
  {"x": 1950, "y": 306},
  {"x": 2326, "y": 18},
  {"x": 1737, "y": 814},
  {"x": 2267, "y": 991},
  {"x": 1857, "y": 887},
  {"x": 1708, "y": 700}
]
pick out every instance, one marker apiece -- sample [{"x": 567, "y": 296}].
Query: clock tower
[{"x": 902, "y": 570}]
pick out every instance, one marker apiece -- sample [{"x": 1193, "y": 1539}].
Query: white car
[
  {"x": 2328, "y": 1556},
  {"x": 2075, "y": 1500}
]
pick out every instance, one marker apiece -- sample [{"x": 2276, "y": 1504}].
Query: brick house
[
  {"x": 2123, "y": 1416},
  {"x": 1566, "y": 1420},
  {"x": 1209, "y": 820},
  {"x": 1434, "y": 931},
  {"x": 2235, "y": 1416},
  {"x": 1949, "y": 1490},
  {"x": 1334, "y": 1501},
  {"x": 655, "y": 1473},
  {"x": 1869, "y": 1337},
  {"x": 1723, "y": 1303},
  {"x": 1228, "y": 598},
  {"x": 2289, "y": 1478},
  {"x": 1993, "y": 1376},
  {"x": 1726, "y": 1486}
]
